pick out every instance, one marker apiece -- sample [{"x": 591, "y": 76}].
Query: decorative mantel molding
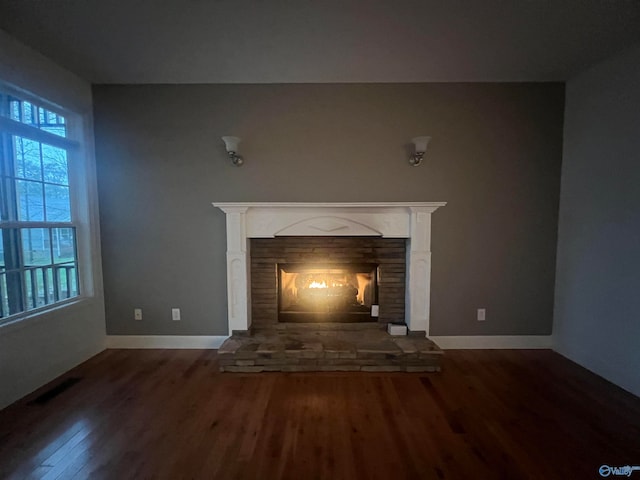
[{"x": 410, "y": 220}]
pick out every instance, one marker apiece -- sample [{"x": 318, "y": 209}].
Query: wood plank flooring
[{"x": 169, "y": 414}]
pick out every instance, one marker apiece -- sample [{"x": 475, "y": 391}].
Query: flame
[
  {"x": 289, "y": 291},
  {"x": 315, "y": 284},
  {"x": 364, "y": 285}
]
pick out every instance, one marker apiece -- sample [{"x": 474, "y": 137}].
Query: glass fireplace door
[{"x": 327, "y": 293}]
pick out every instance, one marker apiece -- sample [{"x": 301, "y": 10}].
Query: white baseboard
[
  {"x": 165, "y": 341},
  {"x": 445, "y": 342},
  {"x": 473, "y": 342}
]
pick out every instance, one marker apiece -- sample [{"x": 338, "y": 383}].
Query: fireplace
[
  {"x": 333, "y": 293},
  {"x": 310, "y": 279},
  {"x": 256, "y": 267}
]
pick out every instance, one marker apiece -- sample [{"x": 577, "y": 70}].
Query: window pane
[
  {"x": 54, "y": 162},
  {"x": 64, "y": 244},
  {"x": 34, "y": 283},
  {"x": 67, "y": 280},
  {"x": 58, "y": 203},
  {"x": 14, "y": 110},
  {"x": 36, "y": 246},
  {"x": 4, "y": 298},
  {"x": 52, "y": 122},
  {"x": 30, "y": 201},
  {"x": 27, "y": 158},
  {"x": 49, "y": 285},
  {"x": 28, "y": 114}
]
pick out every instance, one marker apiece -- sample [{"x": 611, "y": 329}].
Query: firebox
[{"x": 327, "y": 293}]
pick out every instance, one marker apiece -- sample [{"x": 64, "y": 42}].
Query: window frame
[{"x": 78, "y": 144}]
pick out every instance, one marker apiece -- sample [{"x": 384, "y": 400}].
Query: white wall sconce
[
  {"x": 231, "y": 143},
  {"x": 420, "y": 147}
]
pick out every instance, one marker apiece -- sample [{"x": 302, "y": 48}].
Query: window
[{"x": 38, "y": 252}]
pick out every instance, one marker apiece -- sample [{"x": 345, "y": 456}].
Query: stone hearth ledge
[{"x": 307, "y": 350}]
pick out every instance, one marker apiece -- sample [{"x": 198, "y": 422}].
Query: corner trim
[
  {"x": 474, "y": 342},
  {"x": 165, "y": 341}
]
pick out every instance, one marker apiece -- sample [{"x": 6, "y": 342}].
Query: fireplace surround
[{"x": 405, "y": 220}]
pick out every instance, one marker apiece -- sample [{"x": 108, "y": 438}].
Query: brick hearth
[{"x": 363, "y": 347}]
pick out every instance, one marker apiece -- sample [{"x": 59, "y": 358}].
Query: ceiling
[{"x": 299, "y": 41}]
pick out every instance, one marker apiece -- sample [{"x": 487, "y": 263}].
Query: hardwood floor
[{"x": 171, "y": 414}]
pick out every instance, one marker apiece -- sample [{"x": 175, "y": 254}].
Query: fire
[{"x": 315, "y": 284}]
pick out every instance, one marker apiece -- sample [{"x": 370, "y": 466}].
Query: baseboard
[
  {"x": 472, "y": 342},
  {"x": 165, "y": 341},
  {"x": 445, "y": 342}
]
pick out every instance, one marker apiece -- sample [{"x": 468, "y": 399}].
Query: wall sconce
[
  {"x": 231, "y": 143},
  {"x": 420, "y": 144}
]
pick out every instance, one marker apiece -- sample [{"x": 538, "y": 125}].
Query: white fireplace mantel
[{"x": 410, "y": 220}]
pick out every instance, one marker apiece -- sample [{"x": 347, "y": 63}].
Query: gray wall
[
  {"x": 495, "y": 157},
  {"x": 39, "y": 348},
  {"x": 598, "y": 274}
]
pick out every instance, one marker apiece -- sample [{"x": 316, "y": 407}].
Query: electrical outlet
[
  {"x": 482, "y": 314},
  {"x": 137, "y": 314},
  {"x": 175, "y": 314}
]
